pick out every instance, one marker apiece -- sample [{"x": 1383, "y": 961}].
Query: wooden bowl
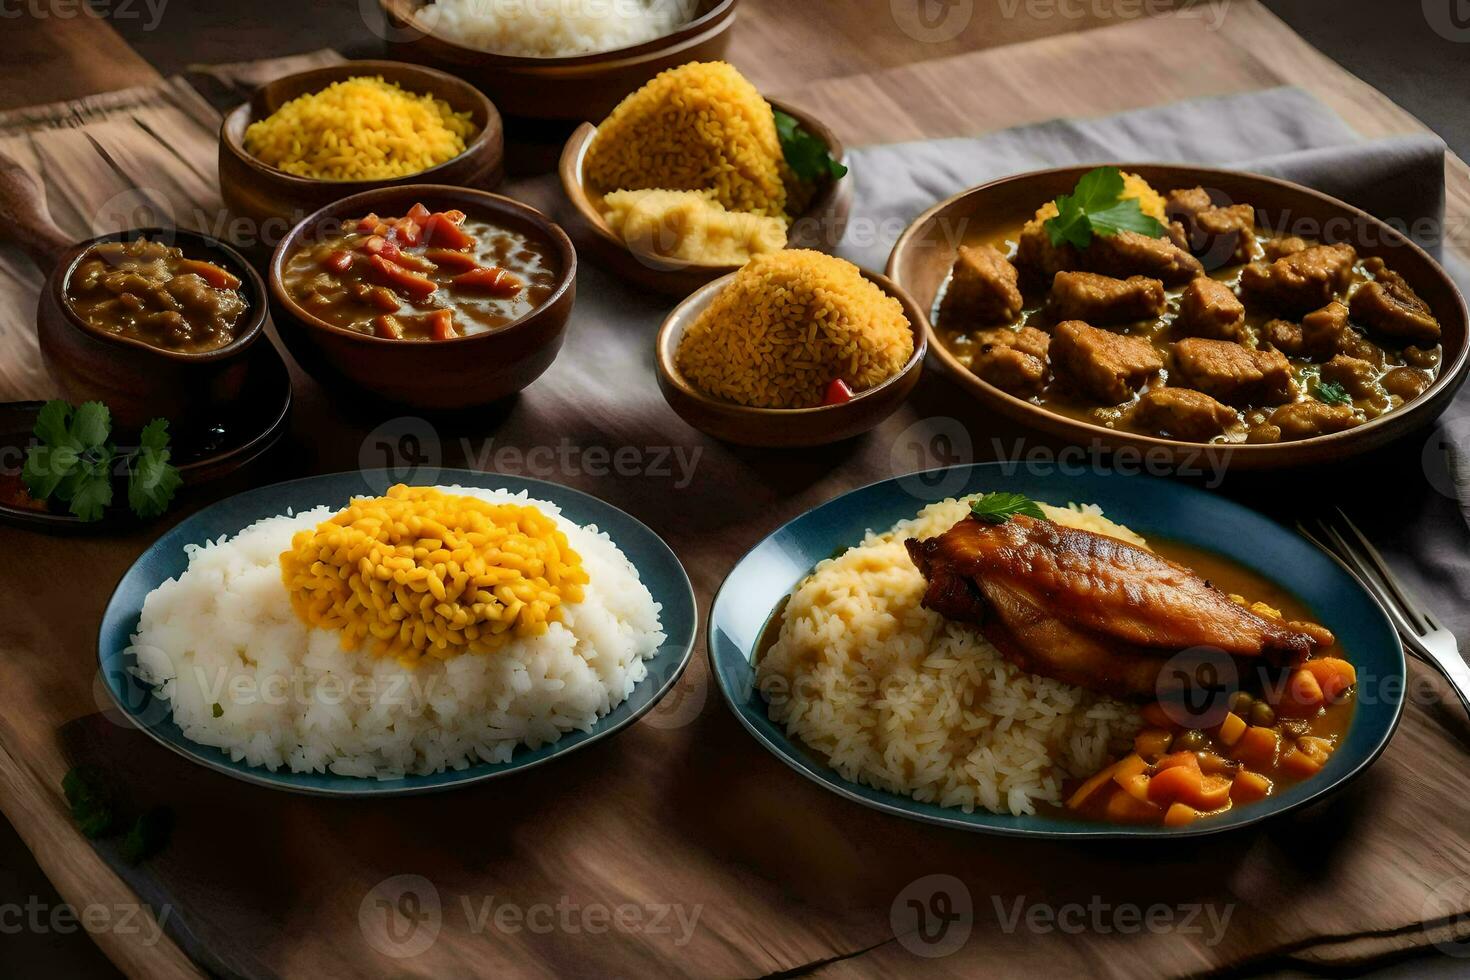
[
  {"x": 923, "y": 256},
  {"x": 464, "y": 372},
  {"x": 820, "y": 227},
  {"x": 579, "y": 88},
  {"x": 783, "y": 428},
  {"x": 273, "y": 200}
]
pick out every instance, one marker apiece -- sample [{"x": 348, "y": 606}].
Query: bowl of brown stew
[
  {"x": 1256, "y": 318},
  {"x": 425, "y": 296}
]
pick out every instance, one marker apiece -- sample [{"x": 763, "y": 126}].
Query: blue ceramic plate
[
  {"x": 1154, "y": 508},
  {"x": 658, "y": 567}
]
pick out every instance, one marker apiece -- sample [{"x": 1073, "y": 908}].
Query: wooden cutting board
[{"x": 681, "y": 846}]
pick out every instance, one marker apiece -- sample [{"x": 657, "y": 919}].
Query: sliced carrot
[
  {"x": 1249, "y": 786},
  {"x": 1257, "y": 747},
  {"x": 1230, "y": 729},
  {"x": 1175, "y": 783},
  {"x": 1214, "y": 792},
  {"x": 1155, "y": 715},
  {"x": 1302, "y": 697},
  {"x": 370, "y": 225},
  {"x": 1135, "y": 785},
  {"x": 408, "y": 231},
  {"x": 458, "y": 261},
  {"x": 1180, "y": 814},
  {"x": 493, "y": 280},
  {"x": 1124, "y": 808},
  {"x": 1187, "y": 759},
  {"x": 397, "y": 277},
  {"x": 388, "y": 327},
  {"x": 378, "y": 245},
  {"x": 441, "y": 325},
  {"x": 1298, "y": 763},
  {"x": 1333, "y": 675},
  {"x": 211, "y": 273},
  {"x": 418, "y": 213},
  {"x": 1090, "y": 786},
  {"x": 1152, "y": 742},
  {"x": 338, "y": 260},
  {"x": 440, "y": 231},
  {"x": 1209, "y": 762}
]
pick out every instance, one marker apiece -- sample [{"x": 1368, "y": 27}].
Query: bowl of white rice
[
  {"x": 570, "y": 60},
  {"x": 202, "y": 647}
]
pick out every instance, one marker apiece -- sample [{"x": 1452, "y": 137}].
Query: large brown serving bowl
[
  {"x": 273, "y": 200},
  {"x": 577, "y": 88},
  {"x": 441, "y": 375},
  {"x": 925, "y": 253},
  {"x": 821, "y": 226}
]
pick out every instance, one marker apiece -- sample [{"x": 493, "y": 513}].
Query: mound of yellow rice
[
  {"x": 698, "y": 127},
  {"x": 899, "y": 698},
  {"x": 362, "y": 128},
  {"x": 789, "y": 324}
]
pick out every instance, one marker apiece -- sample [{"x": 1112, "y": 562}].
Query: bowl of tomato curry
[{"x": 426, "y": 296}]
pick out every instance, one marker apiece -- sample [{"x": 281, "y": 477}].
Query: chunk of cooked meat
[
  {"x": 1389, "y": 306},
  {"x": 1028, "y": 340},
  {"x": 1406, "y": 382},
  {"x": 983, "y": 289},
  {"x": 1088, "y": 609},
  {"x": 1181, "y": 413},
  {"x": 1358, "y": 377},
  {"x": 1183, "y": 203},
  {"x": 1129, "y": 253},
  {"x": 1283, "y": 335},
  {"x": 1038, "y": 259},
  {"x": 1234, "y": 374},
  {"x": 1012, "y": 360},
  {"x": 1100, "y": 364},
  {"x": 1301, "y": 281},
  {"x": 1103, "y": 299},
  {"x": 1223, "y": 235},
  {"x": 1280, "y": 248},
  {"x": 1208, "y": 308},
  {"x": 1302, "y": 420},
  {"x": 1324, "y": 330}
]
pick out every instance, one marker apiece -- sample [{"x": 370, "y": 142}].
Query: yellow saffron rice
[
  {"x": 360, "y": 129},
  {"x": 698, "y": 127},
  {"x": 788, "y": 325},
  {"x": 420, "y": 572}
]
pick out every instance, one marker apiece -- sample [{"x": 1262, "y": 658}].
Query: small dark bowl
[
  {"x": 464, "y": 372},
  {"x": 821, "y": 226},
  {"x": 274, "y": 200},
  {"x": 136, "y": 381},
  {"x": 578, "y": 88},
  {"x": 925, "y": 253},
  {"x": 783, "y": 428}
]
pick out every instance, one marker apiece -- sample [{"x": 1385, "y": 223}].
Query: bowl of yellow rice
[
  {"x": 696, "y": 173},
  {"x": 308, "y": 139},
  {"x": 797, "y": 348}
]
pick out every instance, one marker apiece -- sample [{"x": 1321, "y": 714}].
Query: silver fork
[{"x": 1423, "y": 635}]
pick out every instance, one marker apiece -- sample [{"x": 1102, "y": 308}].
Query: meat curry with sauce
[{"x": 1216, "y": 331}]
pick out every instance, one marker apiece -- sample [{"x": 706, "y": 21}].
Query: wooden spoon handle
[{"x": 24, "y": 219}]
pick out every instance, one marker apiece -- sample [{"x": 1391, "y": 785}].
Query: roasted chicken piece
[{"x": 1091, "y": 610}]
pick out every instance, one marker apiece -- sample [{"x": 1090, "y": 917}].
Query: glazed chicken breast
[{"x": 1091, "y": 610}]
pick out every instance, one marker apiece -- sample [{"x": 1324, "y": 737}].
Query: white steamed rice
[
  {"x": 898, "y": 698},
  {"x": 245, "y": 675},
  {"x": 554, "y": 28}
]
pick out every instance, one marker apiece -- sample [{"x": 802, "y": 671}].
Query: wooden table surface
[{"x": 780, "y": 894}]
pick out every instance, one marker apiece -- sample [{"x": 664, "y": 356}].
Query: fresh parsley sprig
[
  {"x": 73, "y": 461},
  {"x": 997, "y": 508},
  {"x": 806, "y": 155},
  {"x": 1331, "y": 393},
  {"x": 1097, "y": 206}
]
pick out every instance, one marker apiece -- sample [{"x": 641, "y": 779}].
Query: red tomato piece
[
  {"x": 397, "y": 277},
  {"x": 340, "y": 260},
  {"x": 418, "y": 213},
  {"x": 838, "y": 393},
  {"x": 441, "y": 232},
  {"x": 409, "y": 232}
]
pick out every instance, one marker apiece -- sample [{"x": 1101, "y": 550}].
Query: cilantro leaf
[
  {"x": 148, "y": 835},
  {"x": 91, "y": 804},
  {"x": 93, "y": 490},
  {"x": 53, "y": 424},
  {"x": 997, "y": 508},
  {"x": 1097, "y": 206},
  {"x": 152, "y": 479},
  {"x": 45, "y": 468},
  {"x": 806, "y": 155},
  {"x": 91, "y": 425},
  {"x": 1331, "y": 393}
]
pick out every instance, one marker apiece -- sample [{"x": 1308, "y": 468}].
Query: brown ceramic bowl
[
  {"x": 578, "y": 88},
  {"x": 274, "y": 200},
  {"x": 820, "y": 227},
  {"x": 783, "y": 428},
  {"x": 923, "y": 256},
  {"x": 464, "y": 372}
]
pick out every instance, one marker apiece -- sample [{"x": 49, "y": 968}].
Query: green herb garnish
[
  {"x": 148, "y": 835},
  {"x": 806, "y": 155},
  {"x": 73, "y": 462},
  {"x": 1331, "y": 393},
  {"x": 997, "y": 508},
  {"x": 90, "y": 802},
  {"x": 1097, "y": 206}
]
